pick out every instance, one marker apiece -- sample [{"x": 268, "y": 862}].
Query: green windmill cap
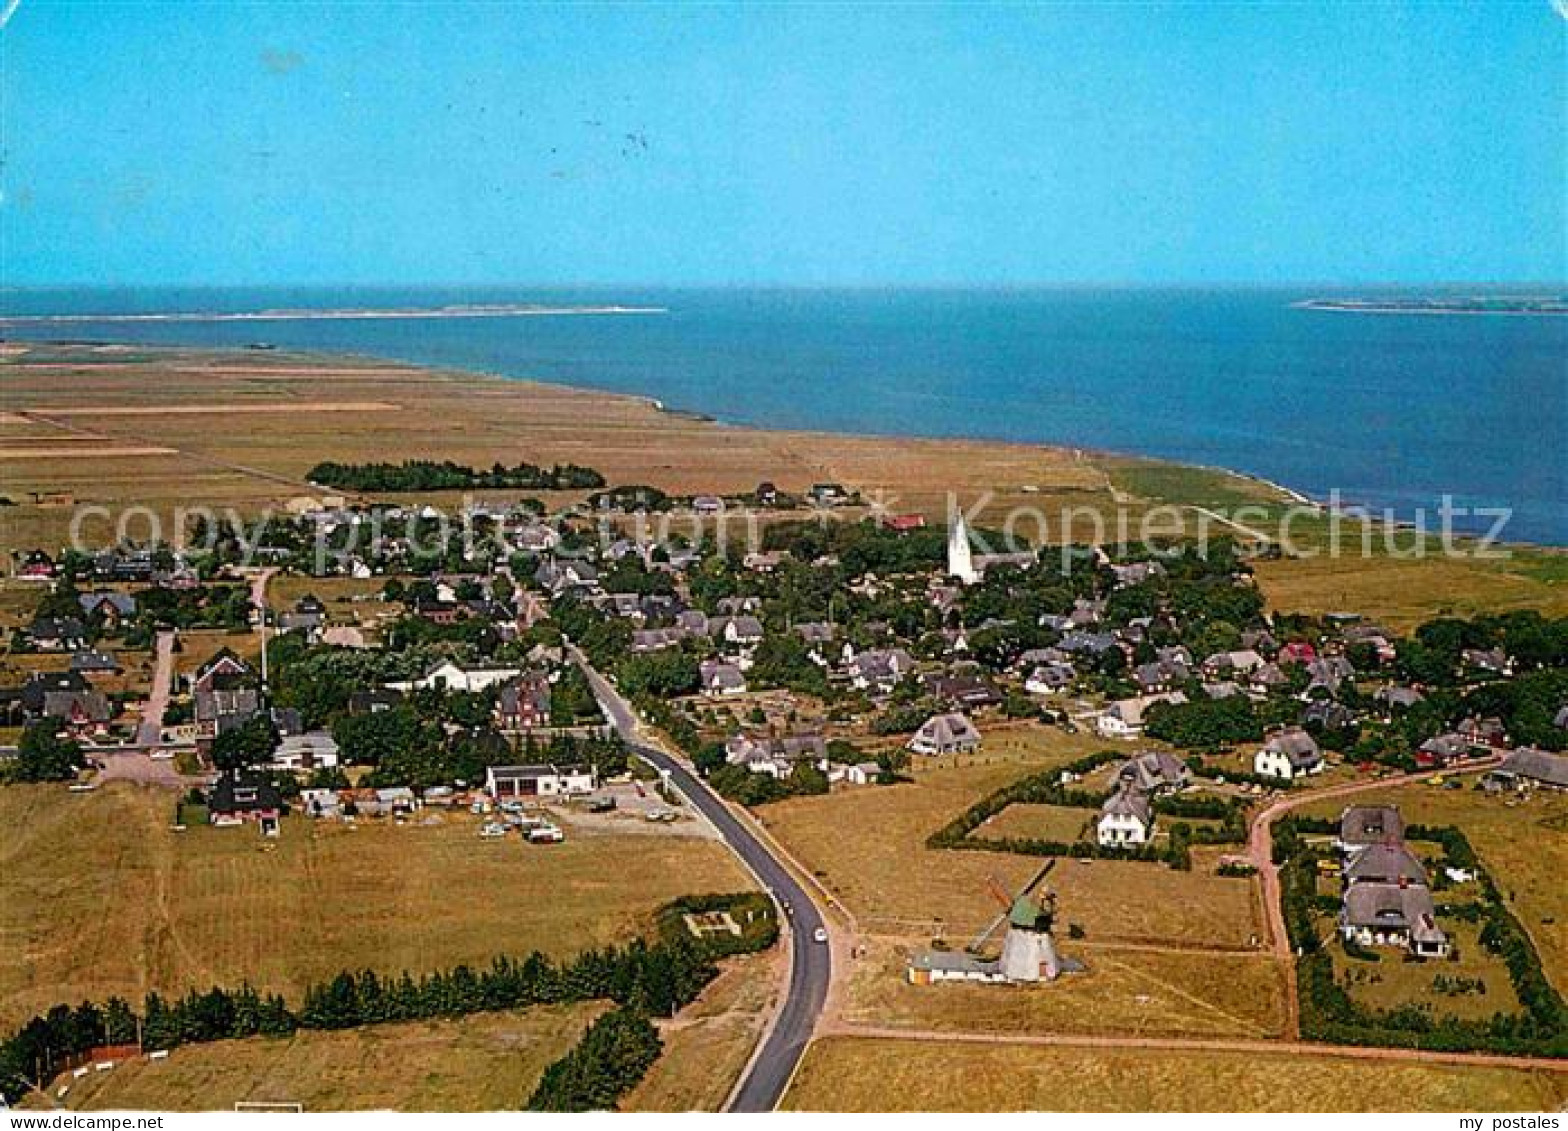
[{"x": 1024, "y": 913}]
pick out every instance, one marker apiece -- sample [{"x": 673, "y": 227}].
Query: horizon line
[{"x": 934, "y": 285}]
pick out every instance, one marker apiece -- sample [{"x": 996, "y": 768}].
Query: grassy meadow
[
  {"x": 487, "y": 1062},
  {"x": 100, "y": 896},
  {"x": 865, "y": 1074}
]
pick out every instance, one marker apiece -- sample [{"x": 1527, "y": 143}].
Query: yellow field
[
  {"x": 1042, "y": 822},
  {"x": 858, "y": 1074},
  {"x": 1402, "y": 594},
  {"x": 1122, "y": 992},
  {"x": 100, "y": 896},
  {"x": 1524, "y": 845},
  {"x": 487, "y": 1062},
  {"x": 1167, "y": 952},
  {"x": 868, "y": 846}
]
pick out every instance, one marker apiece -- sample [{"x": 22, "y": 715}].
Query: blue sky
[{"x": 245, "y": 143}]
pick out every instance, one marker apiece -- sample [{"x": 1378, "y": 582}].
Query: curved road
[{"x": 768, "y": 1074}]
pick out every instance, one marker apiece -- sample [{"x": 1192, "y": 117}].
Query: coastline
[
  {"x": 966, "y": 462},
  {"x": 996, "y": 367}
]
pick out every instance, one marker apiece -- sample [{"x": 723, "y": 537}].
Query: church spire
[{"x": 960, "y": 559}]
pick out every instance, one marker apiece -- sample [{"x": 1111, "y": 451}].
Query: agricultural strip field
[
  {"x": 867, "y": 1074},
  {"x": 282, "y": 414},
  {"x": 101, "y": 896},
  {"x": 1402, "y": 594},
  {"x": 257, "y": 456}
]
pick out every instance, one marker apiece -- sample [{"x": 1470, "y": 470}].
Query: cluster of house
[
  {"x": 1385, "y": 901},
  {"x": 1521, "y": 767},
  {"x": 226, "y": 693},
  {"x": 167, "y": 569},
  {"x": 1127, "y": 815},
  {"x": 82, "y": 710},
  {"x": 778, "y": 757},
  {"x": 239, "y": 797},
  {"x": 1221, "y": 675},
  {"x": 107, "y": 609},
  {"x": 522, "y": 695}
]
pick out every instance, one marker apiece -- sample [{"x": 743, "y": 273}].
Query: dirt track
[
  {"x": 150, "y": 731},
  {"x": 1207, "y": 1044}
]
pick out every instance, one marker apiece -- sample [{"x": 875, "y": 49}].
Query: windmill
[{"x": 1028, "y": 949}]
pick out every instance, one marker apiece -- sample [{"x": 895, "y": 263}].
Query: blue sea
[{"x": 1394, "y": 411}]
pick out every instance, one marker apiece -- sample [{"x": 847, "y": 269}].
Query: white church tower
[{"x": 960, "y": 559}]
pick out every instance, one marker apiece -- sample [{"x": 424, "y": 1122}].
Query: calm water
[{"x": 1392, "y": 410}]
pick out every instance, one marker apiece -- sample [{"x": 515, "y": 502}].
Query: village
[{"x": 1141, "y": 712}]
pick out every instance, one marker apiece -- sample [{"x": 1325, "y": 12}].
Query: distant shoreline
[
  {"x": 1516, "y": 307},
  {"x": 313, "y": 315}
]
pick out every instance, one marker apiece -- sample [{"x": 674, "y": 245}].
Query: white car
[{"x": 820, "y": 934}]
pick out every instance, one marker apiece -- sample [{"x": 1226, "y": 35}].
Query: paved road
[{"x": 811, "y": 962}]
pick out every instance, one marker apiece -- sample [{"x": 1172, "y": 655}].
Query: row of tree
[
  {"x": 648, "y": 979},
  {"x": 613, "y": 1055},
  {"x": 430, "y": 475}
]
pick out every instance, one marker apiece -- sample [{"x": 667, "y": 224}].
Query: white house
[
  {"x": 1124, "y": 718},
  {"x": 776, "y": 757},
  {"x": 323, "y": 803},
  {"x": 863, "y": 773},
  {"x": 740, "y": 631},
  {"x": 538, "y": 781},
  {"x": 878, "y": 670},
  {"x": 313, "y": 750},
  {"x": 1290, "y": 754},
  {"x": 1048, "y": 678},
  {"x": 720, "y": 679},
  {"x": 1397, "y": 915},
  {"x": 452, "y": 677},
  {"x": 1126, "y": 819},
  {"x": 945, "y": 734}
]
